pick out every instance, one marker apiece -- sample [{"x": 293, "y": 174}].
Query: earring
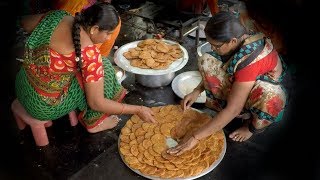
[{"x": 91, "y": 33}]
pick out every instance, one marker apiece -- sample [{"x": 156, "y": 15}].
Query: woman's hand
[
  {"x": 186, "y": 144},
  {"x": 146, "y": 114},
  {"x": 189, "y": 99}
]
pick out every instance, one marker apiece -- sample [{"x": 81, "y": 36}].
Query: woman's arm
[
  {"x": 200, "y": 87},
  {"x": 96, "y": 101},
  {"x": 95, "y": 97},
  {"x": 93, "y": 79},
  {"x": 190, "y": 98},
  {"x": 236, "y": 101}
]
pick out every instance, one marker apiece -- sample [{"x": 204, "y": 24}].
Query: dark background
[{"x": 9, "y": 159}]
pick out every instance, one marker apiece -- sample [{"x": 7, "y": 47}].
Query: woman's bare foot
[
  {"x": 241, "y": 134},
  {"x": 108, "y": 123}
]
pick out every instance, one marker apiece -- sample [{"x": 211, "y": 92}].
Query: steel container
[{"x": 155, "y": 80}]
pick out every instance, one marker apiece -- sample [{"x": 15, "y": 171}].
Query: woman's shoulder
[
  {"x": 67, "y": 21},
  {"x": 61, "y": 39}
]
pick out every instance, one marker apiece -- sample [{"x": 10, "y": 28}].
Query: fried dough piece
[
  {"x": 153, "y": 54},
  {"x": 143, "y": 145},
  {"x": 127, "y": 55},
  {"x": 131, "y": 159},
  {"x": 134, "y": 150},
  {"x": 162, "y": 48},
  {"x": 159, "y": 148}
]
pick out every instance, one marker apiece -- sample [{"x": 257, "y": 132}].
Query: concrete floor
[{"x": 75, "y": 154}]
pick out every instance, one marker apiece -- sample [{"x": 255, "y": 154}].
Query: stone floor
[{"x": 75, "y": 154}]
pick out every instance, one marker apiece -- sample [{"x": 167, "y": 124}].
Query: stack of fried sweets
[
  {"x": 143, "y": 145},
  {"x": 153, "y": 54}
]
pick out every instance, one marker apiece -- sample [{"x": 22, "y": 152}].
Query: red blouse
[
  {"x": 252, "y": 71},
  {"x": 92, "y": 68},
  {"x": 55, "y": 75}
]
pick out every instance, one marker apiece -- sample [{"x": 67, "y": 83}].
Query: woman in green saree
[{"x": 63, "y": 69}]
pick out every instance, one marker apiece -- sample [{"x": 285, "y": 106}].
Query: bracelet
[
  {"x": 122, "y": 110},
  {"x": 197, "y": 88},
  {"x": 195, "y": 137}
]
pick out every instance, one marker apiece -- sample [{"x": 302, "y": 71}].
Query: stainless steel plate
[
  {"x": 123, "y": 63},
  {"x": 213, "y": 165},
  {"x": 184, "y": 84}
]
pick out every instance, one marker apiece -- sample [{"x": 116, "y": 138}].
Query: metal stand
[{"x": 149, "y": 11}]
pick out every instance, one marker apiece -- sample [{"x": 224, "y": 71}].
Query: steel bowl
[
  {"x": 120, "y": 73},
  {"x": 203, "y": 48},
  {"x": 155, "y": 80}
]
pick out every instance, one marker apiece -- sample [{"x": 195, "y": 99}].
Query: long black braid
[{"x": 76, "y": 37}]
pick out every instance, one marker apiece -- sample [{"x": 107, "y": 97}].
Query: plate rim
[
  {"x": 117, "y": 56},
  {"x": 174, "y": 85},
  {"x": 209, "y": 169}
]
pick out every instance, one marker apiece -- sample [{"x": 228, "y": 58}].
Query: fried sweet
[
  {"x": 125, "y": 138},
  {"x": 129, "y": 124},
  {"x": 131, "y": 160},
  {"x": 140, "y": 132},
  {"x": 140, "y": 139},
  {"x": 132, "y": 136},
  {"x": 152, "y": 152},
  {"x": 158, "y": 138},
  {"x": 162, "y": 48},
  {"x": 125, "y": 152},
  {"x": 135, "y": 127},
  {"x": 125, "y": 130},
  {"x": 127, "y": 55},
  {"x": 148, "y": 134},
  {"x": 153, "y": 54},
  {"x": 158, "y": 164},
  {"x": 159, "y": 148},
  {"x": 138, "y": 166},
  {"x": 166, "y": 128},
  {"x": 146, "y": 143},
  {"x": 160, "y": 172},
  {"x": 143, "y": 145},
  {"x": 134, "y": 150},
  {"x": 149, "y": 170},
  {"x": 141, "y": 148}
]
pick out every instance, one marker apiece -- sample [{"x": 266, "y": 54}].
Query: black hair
[
  {"x": 104, "y": 15},
  {"x": 224, "y": 26}
]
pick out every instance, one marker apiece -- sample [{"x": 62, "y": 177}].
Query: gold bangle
[
  {"x": 198, "y": 88},
  {"x": 122, "y": 110}
]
